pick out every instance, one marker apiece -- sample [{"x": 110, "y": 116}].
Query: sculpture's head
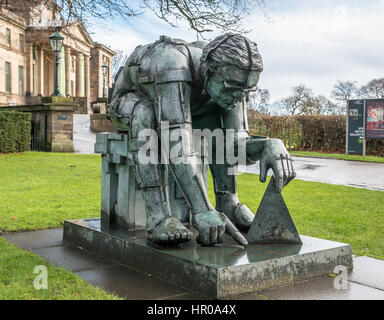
[{"x": 230, "y": 66}]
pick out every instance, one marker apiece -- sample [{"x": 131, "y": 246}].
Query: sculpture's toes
[
  {"x": 243, "y": 217},
  {"x": 170, "y": 232}
]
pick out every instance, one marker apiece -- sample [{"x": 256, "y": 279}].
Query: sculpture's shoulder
[
  {"x": 170, "y": 54},
  {"x": 162, "y": 59}
]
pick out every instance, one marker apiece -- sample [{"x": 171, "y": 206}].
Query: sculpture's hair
[{"x": 231, "y": 49}]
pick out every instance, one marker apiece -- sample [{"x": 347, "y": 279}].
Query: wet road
[{"x": 349, "y": 173}]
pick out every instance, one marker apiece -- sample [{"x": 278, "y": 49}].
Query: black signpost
[
  {"x": 356, "y": 127},
  {"x": 365, "y": 120}
]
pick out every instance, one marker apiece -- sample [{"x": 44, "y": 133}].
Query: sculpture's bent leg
[
  {"x": 227, "y": 200},
  {"x": 225, "y": 184},
  {"x": 161, "y": 227}
]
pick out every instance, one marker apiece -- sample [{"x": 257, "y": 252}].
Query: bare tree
[
  {"x": 342, "y": 92},
  {"x": 258, "y": 103},
  {"x": 373, "y": 89},
  {"x": 201, "y": 15},
  {"x": 300, "y": 102},
  {"x": 322, "y": 105},
  {"x": 119, "y": 60}
]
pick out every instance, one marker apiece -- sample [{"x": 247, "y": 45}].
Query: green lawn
[
  {"x": 337, "y": 156},
  {"x": 41, "y": 190},
  {"x": 17, "y": 277}
]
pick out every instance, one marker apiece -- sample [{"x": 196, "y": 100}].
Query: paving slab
[
  {"x": 131, "y": 284},
  {"x": 73, "y": 258},
  {"x": 368, "y": 271},
  {"x": 36, "y": 239},
  {"x": 324, "y": 289},
  {"x": 83, "y": 138}
]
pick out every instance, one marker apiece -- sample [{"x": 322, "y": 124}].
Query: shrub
[
  {"x": 15, "y": 131},
  {"x": 324, "y": 133}
]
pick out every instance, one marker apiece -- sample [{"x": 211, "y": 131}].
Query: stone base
[{"x": 223, "y": 271}]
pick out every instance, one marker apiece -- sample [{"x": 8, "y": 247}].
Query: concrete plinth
[{"x": 223, "y": 271}]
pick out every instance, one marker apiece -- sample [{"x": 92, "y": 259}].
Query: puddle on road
[{"x": 310, "y": 167}]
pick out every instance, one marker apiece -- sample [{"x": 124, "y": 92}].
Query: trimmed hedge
[
  {"x": 324, "y": 133},
  {"x": 15, "y": 131}
]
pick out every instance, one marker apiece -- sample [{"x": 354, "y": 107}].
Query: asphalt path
[{"x": 340, "y": 172}]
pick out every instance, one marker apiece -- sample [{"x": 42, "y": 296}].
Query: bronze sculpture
[{"x": 194, "y": 86}]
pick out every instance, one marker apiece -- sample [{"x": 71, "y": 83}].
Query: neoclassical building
[{"x": 27, "y": 69}]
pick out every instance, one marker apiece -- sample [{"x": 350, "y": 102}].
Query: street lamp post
[
  {"x": 104, "y": 68},
  {"x": 56, "y": 41}
]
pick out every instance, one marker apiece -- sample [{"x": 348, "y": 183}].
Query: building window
[
  {"x": 21, "y": 42},
  {"x": 8, "y": 36},
  {"x": 72, "y": 88},
  {"x": 21, "y": 81},
  {"x": 7, "y": 77},
  {"x": 73, "y": 63},
  {"x": 34, "y": 53}
]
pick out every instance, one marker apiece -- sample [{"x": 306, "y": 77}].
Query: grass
[
  {"x": 337, "y": 156},
  {"x": 17, "y": 279},
  {"x": 41, "y": 190}
]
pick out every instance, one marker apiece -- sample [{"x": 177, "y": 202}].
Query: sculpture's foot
[
  {"x": 240, "y": 215},
  {"x": 169, "y": 232}
]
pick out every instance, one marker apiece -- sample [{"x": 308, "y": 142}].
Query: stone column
[
  {"x": 40, "y": 71},
  {"x": 67, "y": 71},
  {"x": 79, "y": 92},
  {"x": 86, "y": 76},
  {"x": 28, "y": 78},
  {"x": 110, "y": 74}
]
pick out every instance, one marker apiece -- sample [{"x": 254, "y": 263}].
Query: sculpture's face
[{"x": 228, "y": 85}]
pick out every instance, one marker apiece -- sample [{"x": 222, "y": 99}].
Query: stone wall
[{"x": 100, "y": 123}]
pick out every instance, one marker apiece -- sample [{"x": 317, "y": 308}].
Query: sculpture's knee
[{"x": 143, "y": 117}]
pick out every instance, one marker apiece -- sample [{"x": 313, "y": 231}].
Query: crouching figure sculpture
[{"x": 190, "y": 86}]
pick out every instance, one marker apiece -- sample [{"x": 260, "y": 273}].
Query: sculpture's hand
[
  {"x": 276, "y": 156},
  {"x": 211, "y": 228}
]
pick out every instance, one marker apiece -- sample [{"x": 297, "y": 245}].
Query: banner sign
[
  {"x": 375, "y": 118},
  {"x": 355, "y": 126}
]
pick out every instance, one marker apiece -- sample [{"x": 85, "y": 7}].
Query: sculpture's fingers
[
  {"x": 285, "y": 169},
  {"x": 292, "y": 174},
  {"x": 177, "y": 235},
  {"x": 263, "y": 171},
  {"x": 220, "y": 233},
  {"x": 203, "y": 238},
  {"x": 279, "y": 175},
  {"x": 213, "y": 235},
  {"x": 289, "y": 169}
]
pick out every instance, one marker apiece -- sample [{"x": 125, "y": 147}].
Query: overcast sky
[{"x": 306, "y": 42}]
